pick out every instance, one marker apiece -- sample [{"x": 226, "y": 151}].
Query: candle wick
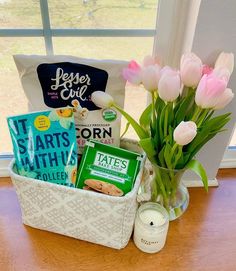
[{"x": 151, "y": 223}]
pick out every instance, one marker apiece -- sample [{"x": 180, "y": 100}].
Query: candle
[{"x": 151, "y": 226}]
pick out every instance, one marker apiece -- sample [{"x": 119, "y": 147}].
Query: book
[{"x": 44, "y": 145}]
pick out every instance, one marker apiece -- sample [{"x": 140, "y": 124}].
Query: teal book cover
[{"x": 44, "y": 145}]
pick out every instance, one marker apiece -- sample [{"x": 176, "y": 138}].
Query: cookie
[{"x": 103, "y": 187}]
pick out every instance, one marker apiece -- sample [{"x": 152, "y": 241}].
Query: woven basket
[{"x": 85, "y": 215}]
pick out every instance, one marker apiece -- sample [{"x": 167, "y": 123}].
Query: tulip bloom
[
  {"x": 209, "y": 90},
  {"x": 133, "y": 73},
  {"x": 206, "y": 70},
  {"x": 224, "y": 99},
  {"x": 149, "y": 61},
  {"x": 185, "y": 132},
  {"x": 102, "y": 99},
  {"x": 226, "y": 61},
  {"x": 150, "y": 76},
  {"x": 222, "y": 73},
  {"x": 169, "y": 85},
  {"x": 190, "y": 69}
]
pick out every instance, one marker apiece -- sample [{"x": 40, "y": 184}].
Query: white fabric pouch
[{"x": 60, "y": 81}]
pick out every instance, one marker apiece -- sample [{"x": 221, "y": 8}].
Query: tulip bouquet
[{"x": 180, "y": 118}]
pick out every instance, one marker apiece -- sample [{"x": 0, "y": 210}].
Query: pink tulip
[
  {"x": 165, "y": 69},
  {"x": 150, "y": 76},
  {"x": 226, "y": 61},
  {"x": 224, "y": 99},
  {"x": 185, "y": 132},
  {"x": 149, "y": 61},
  {"x": 133, "y": 65},
  {"x": 190, "y": 69},
  {"x": 222, "y": 73},
  {"x": 206, "y": 70},
  {"x": 209, "y": 89},
  {"x": 132, "y": 73},
  {"x": 169, "y": 85}
]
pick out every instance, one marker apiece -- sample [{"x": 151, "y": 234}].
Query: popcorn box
[{"x": 81, "y": 214}]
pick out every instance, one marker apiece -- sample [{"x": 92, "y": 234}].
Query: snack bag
[
  {"x": 44, "y": 145},
  {"x": 59, "y": 81},
  {"x": 107, "y": 169}
]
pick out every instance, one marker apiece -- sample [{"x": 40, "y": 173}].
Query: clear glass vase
[{"x": 168, "y": 190}]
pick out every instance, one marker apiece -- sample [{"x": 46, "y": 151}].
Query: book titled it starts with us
[{"x": 44, "y": 145}]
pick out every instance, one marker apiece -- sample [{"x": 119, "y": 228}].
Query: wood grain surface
[{"x": 204, "y": 238}]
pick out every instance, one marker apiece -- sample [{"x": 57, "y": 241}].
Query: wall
[{"x": 215, "y": 32}]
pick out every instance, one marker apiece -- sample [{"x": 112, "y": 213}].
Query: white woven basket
[{"x": 77, "y": 213}]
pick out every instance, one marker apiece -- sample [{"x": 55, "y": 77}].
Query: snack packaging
[
  {"x": 107, "y": 169},
  {"x": 44, "y": 145},
  {"x": 60, "y": 81}
]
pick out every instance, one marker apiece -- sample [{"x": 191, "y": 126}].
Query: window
[
  {"x": 102, "y": 29},
  {"x": 88, "y": 28}
]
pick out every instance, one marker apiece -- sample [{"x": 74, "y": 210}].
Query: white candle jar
[{"x": 151, "y": 227}]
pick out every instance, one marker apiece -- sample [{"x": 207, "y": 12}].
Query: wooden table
[{"x": 204, "y": 238}]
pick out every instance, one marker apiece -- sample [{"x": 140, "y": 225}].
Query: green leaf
[
  {"x": 156, "y": 138},
  {"x": 137, "y": 128},
  {"x": 183, "y": 108},
  {"x": 178, "y": 156},
  {"x": 209, "y": 115},
  {"x": 194, "y": 151},
  {"x": 209, "y": 129},
  {"x": 198, "y": 140},
  {"x": 167, "y": 152},
  {"x": 171, "y": 132},
  {"x": 170, "y": 113},
  {"x": 197, "y": 167},
  {"x": 145, "y": 118},
  {"x": 159, "y": 105},
  {"x": 161, "y": 124},
  {"x": 180, "y": 164},
  {"x": 126, "y": 129},
  {"x": 217, "y": 122},
  {"x": 152, "y": 129},
  {"x": 149, "y": 148},
  {"x": 161, "y": 158}
]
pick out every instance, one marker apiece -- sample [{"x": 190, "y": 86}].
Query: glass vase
[{"x": 168, "y": 190}]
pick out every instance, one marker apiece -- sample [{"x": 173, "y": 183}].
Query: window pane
[
  {"x": 135, "y": 103},
  {"x": 20, "y": 14},
  {"x": 12, "y": 98},
  {"x": 103, "y": 14},
  {"x": 100, "y": 48}
]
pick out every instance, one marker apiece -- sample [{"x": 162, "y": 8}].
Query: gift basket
[
  {"x": 85, "y": 215},
  {"x": 61, "y": 188}
]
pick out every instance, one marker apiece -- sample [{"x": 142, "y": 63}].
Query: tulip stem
[
  {"x": 196, "y": 113},
  {"x": 178, "y": 155},
  {"x": 153, "y": 108},
  {"x": 202, "y": 117},
  {"x": 173, "y": 150},
  {"x": 166, "y": 121}
]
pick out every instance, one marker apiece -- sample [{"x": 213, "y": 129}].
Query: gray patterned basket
[{"x": 77, "y": 213}]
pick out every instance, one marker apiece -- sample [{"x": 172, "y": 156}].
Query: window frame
[{"x": 176, "y": 23}]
